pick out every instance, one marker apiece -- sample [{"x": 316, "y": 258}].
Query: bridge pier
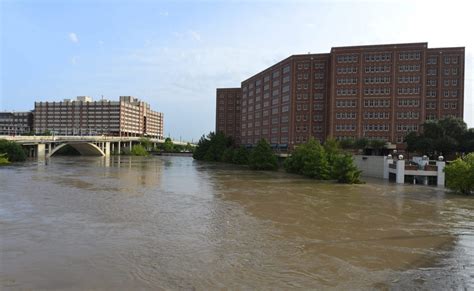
[
  {"x": 41, "y": 151},
  {"x": 107, "y": 148}
]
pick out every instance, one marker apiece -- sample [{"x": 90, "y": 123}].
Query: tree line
[
  {"x": 446, "y": 136},
  {"x": 11, "y": 151},
  {"x": 311, "y": 159},
  {"x": 145, "y": 146}
]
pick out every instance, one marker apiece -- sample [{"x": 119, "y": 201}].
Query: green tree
[
  {"x": 347, "y": 143},
  {"x": 14, "y": 151},
  {"x": 377, "y": 145},
  {"x": 345, "y": 171},
  {"x": 445, "y": 136},
  {"x": 3, "y": 159},
  {"x": 228, "y": 155},
  {"x": 139, "y": 150},
  {"x": 460, "y": 174},
  {"x": 466, "y": 143},
  {"x": 361, "y": 143},
  {"x": 218, "y": 143},
  {"x": 241, "y": 156},
  {"x": 168, "y": 145},
  {"x": 332, "y": 149},
  {"x": 262, "y": 157},
  {"x": 309, "y": 159},
  {"x": 453, "y": 127},
  {"x": 189, "y": 147},
  {"x": 146, "y": 143},
  {"x": 202, "y": 148}
]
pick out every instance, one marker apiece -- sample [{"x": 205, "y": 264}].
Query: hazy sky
[{"x": 174, "y": 54}]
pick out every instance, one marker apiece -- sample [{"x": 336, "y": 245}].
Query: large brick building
[
  {"x": 126, "y": 117},
  {"x": 377, "y": 91},
  {"x": 228, "y": 112}
]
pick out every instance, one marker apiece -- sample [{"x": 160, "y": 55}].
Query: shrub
[
  {"x": 212, "y": 147},
  {"x": 460, "y": 174},
  {"x": 309, "y": 159},
  {"x": 14, "y": 152},
  {"x": 168, "y": 146},
  {"x": 139, "y": 150},
  {"x": 262, "y": 157},
  {"x": 347, "y": 143},
  {"x": 201, "y": 148},
  {"x": 145, "y": 142},
  {"x": 323, "y": 162},
  {"x": 3, "y": 159},
  {"x": 344, "y": 169},
  {"x": 241, "y": 156},
  {"x": 228, "y": 155}
]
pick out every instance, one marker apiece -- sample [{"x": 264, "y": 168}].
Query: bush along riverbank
[
  {"x": 145, "y": 148},
  {"x": 460, "y": 175},
  {"x": 11, "y": 152},
  {"x": 322, "y": 162}
]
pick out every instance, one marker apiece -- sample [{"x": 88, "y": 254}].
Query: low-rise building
[
  {"x": 82, "y": 116},
  {"x": 16, "y": 123}
]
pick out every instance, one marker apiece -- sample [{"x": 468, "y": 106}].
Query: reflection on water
[{"x": 173, "y": 223}]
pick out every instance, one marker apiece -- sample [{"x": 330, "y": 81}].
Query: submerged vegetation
[
  {"x": 12, "y": 151},
  {"x": 323, "y": 162},
  {"x": 3, "y": 159},
  {"x": 139, "y": 150},
  {"x": 460, "y": 175}
]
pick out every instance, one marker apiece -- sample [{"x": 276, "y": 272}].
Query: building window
[{"x": 432, "y": 60}]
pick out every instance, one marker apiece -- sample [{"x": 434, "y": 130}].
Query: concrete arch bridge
[{"x": 48, "y": 146}]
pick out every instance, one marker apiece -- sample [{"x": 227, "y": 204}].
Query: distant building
[
  {"x": 375, "y": 91},
  {"x": 16, "y": 123},
  {"x": 228, "y": 112},
  {"x": 126, "y": 117}
]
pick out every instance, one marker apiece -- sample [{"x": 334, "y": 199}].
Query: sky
[{"x": 174, "y": 54}]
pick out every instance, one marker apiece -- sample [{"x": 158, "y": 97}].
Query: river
[{"x": 127, "y": 223}]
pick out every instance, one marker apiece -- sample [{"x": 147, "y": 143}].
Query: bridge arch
[{"x": 84, "y": 148}]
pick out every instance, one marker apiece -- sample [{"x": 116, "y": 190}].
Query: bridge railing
[{"x": 69, "y": 138}]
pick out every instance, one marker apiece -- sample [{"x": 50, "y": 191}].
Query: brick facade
[{"x": 376, "y": 91}]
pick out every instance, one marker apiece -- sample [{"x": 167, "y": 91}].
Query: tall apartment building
[
  {"x": 126, "y": 117},
  {"x": 386, "y": 91},
  {"x": 377, "y": 91},
  {"x": 16, "y": 123},
  {"x": 228, "y": 112}
]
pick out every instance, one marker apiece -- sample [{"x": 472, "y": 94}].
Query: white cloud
[
  {"x": 164, "y": 13},
  {"x": 195, "y": 35},
  {"x": 74, "y": 60},
  {"x": 73, "y": 37}
]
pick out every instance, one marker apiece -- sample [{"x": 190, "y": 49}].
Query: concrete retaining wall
[{"x": 371, "y": 166}]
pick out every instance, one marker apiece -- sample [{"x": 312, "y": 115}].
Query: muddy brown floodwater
[{"x": 132, "y": 223}]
